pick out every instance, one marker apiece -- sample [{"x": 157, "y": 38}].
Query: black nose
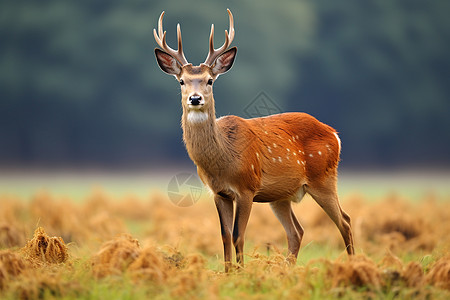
[{"x": 195, "y": 100}]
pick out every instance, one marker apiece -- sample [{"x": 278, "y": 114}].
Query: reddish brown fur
[
  {"x": 244, "y": 138},
  {"x": 274, "y": 159}
]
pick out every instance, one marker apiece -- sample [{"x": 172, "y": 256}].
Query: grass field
[{"x": 125, "y": 239}]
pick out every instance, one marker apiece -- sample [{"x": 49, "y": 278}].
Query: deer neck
[{"x": 205, "y": 143}]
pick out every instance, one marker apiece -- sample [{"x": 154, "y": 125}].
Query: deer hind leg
[
  {"x": 294, "y": 231},
  {"x": 325, "y": 195}
]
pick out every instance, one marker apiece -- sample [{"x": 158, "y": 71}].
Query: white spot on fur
[
  {"x": 197, "y": 117},
  {"x": 298, "y": 161},
  {"x": 320, "y": 152},
  {"x": 303, "y": 162},
  {"x": 290, "y": 140},
  {"x": 257, "y": 155},
  {"x": 288, "y": 150},
  {"x": 253, "y": 167},
  {"x": 279, "y": 159},
  {"x": 274, "y": 159},
  {"x": 274, "y": 145},
  {"x": 295, "y": 153},
  {"x": 311, "y": 155},
  {"x": 269, "y": 149},
  {"x": 265, "y": 131},
  {"x": 296, "y": 137}
]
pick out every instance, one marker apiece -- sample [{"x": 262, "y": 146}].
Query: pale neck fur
[{"x": 205, "y": 142}]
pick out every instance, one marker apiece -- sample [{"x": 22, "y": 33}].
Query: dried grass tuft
[
  {"x": 11, "y": 265},
  {"x": 3, "y": 276},
  {"x": 41, "y": 284},
  {"x": 115, "y": 256},
  {"x": 174, "y": 258},
  {"x": 395, "y": 271},
  {"x": 123, "y": 254},
  {"x": 413, "y": 275},
  {"x": 46, "y": 249},
  {"x": 359, "y": 271},
  {"x": 275, "y": 264},
  {"x": 151, "y": 265},
  {"x": 408, "y": 226},
  {"x": 11, "y": 236},
  {"x": 390, "y": 261},
  {"x": 439, "y": 274},
  {"x": 189, "y": 280}
]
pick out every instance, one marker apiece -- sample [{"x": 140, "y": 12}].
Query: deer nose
[{"x": 195, "y": 99}]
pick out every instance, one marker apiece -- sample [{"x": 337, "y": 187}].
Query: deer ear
[
  {"x": 167, "y": 63},
  {"x": 224, "y": 62}
]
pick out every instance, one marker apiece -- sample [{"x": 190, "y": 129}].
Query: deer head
[{"x": 196, "y": 81}]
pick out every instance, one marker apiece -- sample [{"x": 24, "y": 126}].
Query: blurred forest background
[{"x": 79, "y": 84}]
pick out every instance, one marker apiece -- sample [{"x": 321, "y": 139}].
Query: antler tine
[
  {"x": 231, "y": 31},
  {"x": 160, "y": 24},
  {"x": 229, "y": 36},
  {"x": 211, "y": 40},
  {"x": 160, "y": 38},
  {"x": 180, "y": 43}
]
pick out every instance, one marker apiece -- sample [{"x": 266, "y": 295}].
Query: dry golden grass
[
  {"x": 11, "y": 265},
  {"x": 155, "y": 249},
  {"x": 439, "y": 274},
  {"x": 42, "y": 248}
]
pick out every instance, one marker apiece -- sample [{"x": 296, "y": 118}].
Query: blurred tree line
[{"x": 79, "y": 84}]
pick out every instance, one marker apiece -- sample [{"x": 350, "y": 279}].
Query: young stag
[{"x": 275, "y": 159}]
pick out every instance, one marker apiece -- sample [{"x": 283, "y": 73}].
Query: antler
[
  {"x": 160, "y": 38},
  {"x": 229, "y": 36}
]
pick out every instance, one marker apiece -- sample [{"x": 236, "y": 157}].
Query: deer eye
[
  {"x": 181, "y": 82},
  {"x": 210, "y": 81}
]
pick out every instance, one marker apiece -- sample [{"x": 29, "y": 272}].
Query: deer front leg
[
  {"x": 225, "y": 210},
  {"x": 243, "y": 207}
]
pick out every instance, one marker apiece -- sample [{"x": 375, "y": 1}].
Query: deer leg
[
  {"x": 326, "y": 196},
  {"x": 225, "y": 210},
  {"x": 243, "y": 207},
  {"x": 294, "y": 231},
  {"x": 298, "y": 226}
]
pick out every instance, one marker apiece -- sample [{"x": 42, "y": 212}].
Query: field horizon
[{"x": 77, "y": 184}]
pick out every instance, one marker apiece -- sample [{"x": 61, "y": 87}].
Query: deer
[{"x": 275, "y": 159}]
